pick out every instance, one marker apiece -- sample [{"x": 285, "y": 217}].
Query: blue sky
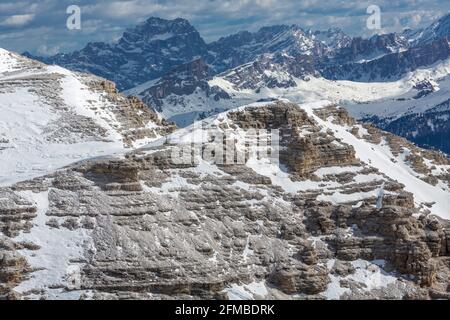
[{"x": 40, "y": 26}]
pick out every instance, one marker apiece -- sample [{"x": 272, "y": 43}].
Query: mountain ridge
[
  {"x": 229, "y": 51},
  {"x": 269, "y": 200},
  {"x": 52, "y": 117}
]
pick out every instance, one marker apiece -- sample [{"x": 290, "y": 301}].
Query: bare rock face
[
  {"x": 15, "y": 212},
  {"x": 13, "y": 267},
  {"x": 131, "y": 113},
  {"x": 52, "y": 117},
  {"x": 145, "y": 226},
  {"x": 183, "y": 80},
  {"x": 307, "y": 149}
]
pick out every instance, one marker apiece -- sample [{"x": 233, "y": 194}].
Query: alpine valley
[{"x": 95, "y": 204}]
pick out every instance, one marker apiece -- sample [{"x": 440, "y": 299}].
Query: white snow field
[
  {"x": 362, "y": 99},
  {"x": 50, "y": 118}
]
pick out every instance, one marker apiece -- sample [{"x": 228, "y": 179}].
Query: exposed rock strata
[{"x": 153, "y": 228}]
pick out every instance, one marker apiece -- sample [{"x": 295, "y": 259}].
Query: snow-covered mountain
[
  {"x": 276, "y": 193},
  {"x": 346, "y": 211},
  {"x": 266, "y": 79},
  {"x": 190, "y": 92},
  {"x": 52, "y": 117},
  {"x": 381, "y": 79},
  {"x": 143, "y": 53},
  {"x": 183, "y": 94},
  {"x": 101, "y": 199},
  {"x": 390, "y": 66},
  {"x": 279, "y": 62},
  {"x": 420, "y": 114},
  {"x": 390, "y": 155},
  {"x": 416, "y": 106},
  {"x": 155, "y": 47},
  {"x": 438, "y": 30},
  {"x": 243, "y": 47}
]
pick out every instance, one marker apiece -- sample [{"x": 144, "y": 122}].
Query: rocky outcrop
[
  {"x": 15, "y": 213},
  {"x": 133, "y": 115},
  {"x": 182, "y": 80},
  {"x": 53, "y": 117},
  {"x": 304, "y": 152},
  {"x": 149, "y": 227},
  {"x": 145, "y": 52},
  {"x": 13, "y": 267},
  {"x": 273, "y": 71}
]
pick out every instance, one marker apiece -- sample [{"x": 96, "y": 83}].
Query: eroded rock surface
[{"x": 323, "y": 223}]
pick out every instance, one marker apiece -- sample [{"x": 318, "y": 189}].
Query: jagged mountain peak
[
  {"x": 168, "y": 33},
  {"x": 346, "y": 210},
  {"x": 334, "y": 38},
  {"x": 244, "y": 47},
  {"x": 155, "y": 21},
  {"x": 157, "y": 26},
  {"x": 143, "y": 53}
]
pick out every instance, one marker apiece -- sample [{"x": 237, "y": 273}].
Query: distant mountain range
[{"x": 169, "y": 65}]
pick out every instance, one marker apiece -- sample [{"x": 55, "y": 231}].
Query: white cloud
[
  {"x": 19, "y": 20},
  {"x": 46, "y": 51}
]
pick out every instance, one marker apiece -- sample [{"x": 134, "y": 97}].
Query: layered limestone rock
[
  {"x": 431, "y": 166},
  {"x": 131, "y": 113},
  {"x": 52, "y": 117},
  {"x": 307, "y": 148},
  {"x": 320, "y": 224}
]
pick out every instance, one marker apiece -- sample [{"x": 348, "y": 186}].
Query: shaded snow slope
[
  {"x": 408, "y": 100},
  {"x": 383, "y": 99},
  {"x": 51, "y": 117}
]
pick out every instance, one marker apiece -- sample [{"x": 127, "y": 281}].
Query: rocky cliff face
[
  {"x": 270, "y": 72},
  {"x": 330, "y": 220},
  {"x": 157, "y": 46},
  {"x": 438, "y": 30},
  {"x": 359, "y": 50},
  {"x": 243, "y": 47}
]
